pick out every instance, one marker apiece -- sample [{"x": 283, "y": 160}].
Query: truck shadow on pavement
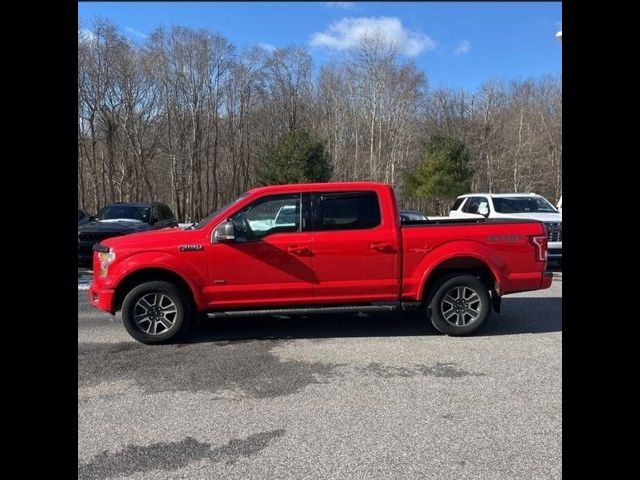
[{"x": 524, "y": 315}]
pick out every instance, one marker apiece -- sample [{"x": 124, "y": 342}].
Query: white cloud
[
  {"x": 463, "y": 47},
  {"x": 341, "y": 5},
  {"x": 86, "y": 35},
  {"x": 135, "y": 32},
  {"x": 267, "y": 46},
  {"x": 347, "y": 33}
]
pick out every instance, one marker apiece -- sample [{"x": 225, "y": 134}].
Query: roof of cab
[{"x": 326, "y": 187}]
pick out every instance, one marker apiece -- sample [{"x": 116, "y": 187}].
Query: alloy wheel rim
[
  {"x": 461, "y": 306},
  {"x": 155, "y": 313}
]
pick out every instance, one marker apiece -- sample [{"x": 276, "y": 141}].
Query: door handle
[
  {"x": 298, "y": 250},
  {"x": 382, "y": 247}
]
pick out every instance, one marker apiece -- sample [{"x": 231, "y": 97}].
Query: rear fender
[{"x": 461, "y": 249}]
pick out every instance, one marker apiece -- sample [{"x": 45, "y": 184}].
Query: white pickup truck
[{"x": 514, "y": 205}]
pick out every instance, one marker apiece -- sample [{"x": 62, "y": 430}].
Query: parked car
[
  {"x": 346, "y": 251},
  {"x": 83, "y": 216},
  {"x": 514, "y": 205},
  {"x": 559, "y": 205},
  {"x": 411, "y": 215},
  {"x": 121, "y": 219}
]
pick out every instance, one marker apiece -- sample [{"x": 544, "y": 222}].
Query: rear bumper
[
  {"x": 525, "y": 282},
  {"x": 101, "y": 298},
  {"x": 547, "y": 278}
]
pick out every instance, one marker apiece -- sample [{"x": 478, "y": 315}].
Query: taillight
[{"x": 541, "y": 244}]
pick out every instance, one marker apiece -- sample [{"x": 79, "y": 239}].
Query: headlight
[{"x": 105, "y": 259}]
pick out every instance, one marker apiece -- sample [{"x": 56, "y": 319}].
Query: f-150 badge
[
  {"x": 190, "y": 248},
  {"x": 503, "y": 238}
]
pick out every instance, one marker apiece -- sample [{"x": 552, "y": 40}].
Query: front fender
[
  {"x": 460, "y": 249},
  {"x": 188, "y": 271}
]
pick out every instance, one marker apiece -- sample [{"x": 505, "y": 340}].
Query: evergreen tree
[
  {"x": 443, "y": 172},
  {"x": 298, "y": 157}
]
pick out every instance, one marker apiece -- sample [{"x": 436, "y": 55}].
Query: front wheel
[
  {"x": 156, "y": 312},
  {"x": 460, "y": 305}
]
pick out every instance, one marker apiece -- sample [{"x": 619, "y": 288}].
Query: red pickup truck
[{"x": 325, "y": 247}]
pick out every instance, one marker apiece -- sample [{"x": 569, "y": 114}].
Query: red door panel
[
  {"x": 275, "y": 270},
  {"x": 355, "y": 266}
]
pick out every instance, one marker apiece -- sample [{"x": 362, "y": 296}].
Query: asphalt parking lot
[{"x": 345, "y": 396}]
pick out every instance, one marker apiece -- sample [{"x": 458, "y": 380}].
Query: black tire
[
  {"x": 476, "y": 299},
  {"x": 133, "y": 305}
]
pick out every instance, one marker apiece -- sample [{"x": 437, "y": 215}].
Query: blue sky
[{"x": 456, "y": 44}]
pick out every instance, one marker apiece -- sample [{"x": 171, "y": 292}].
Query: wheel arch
[
  {"x": 466, "y": 263},
  {"x": 132, "y": 279}
]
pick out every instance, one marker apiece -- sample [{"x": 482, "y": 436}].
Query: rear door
[{"x": 355, "y": 253}]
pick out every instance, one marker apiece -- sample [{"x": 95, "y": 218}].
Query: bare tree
[{"x": 185, "y": 117}]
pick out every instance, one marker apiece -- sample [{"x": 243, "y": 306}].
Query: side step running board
[{"x": 298, "y": 311}]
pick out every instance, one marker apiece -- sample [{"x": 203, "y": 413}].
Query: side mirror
[
  {"x": 224, "y": 233},
  {"x": 483, "y": 210}
]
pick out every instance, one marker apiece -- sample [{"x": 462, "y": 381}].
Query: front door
[{"x": 269, "y": 263}]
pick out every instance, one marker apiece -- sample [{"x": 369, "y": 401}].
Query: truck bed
[{"x": 503, "y": 243}]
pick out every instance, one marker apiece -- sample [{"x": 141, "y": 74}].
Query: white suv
[{"x": 514, "y": 205}]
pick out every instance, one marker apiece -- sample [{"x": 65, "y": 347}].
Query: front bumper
[{"x": 101, "y": 298}]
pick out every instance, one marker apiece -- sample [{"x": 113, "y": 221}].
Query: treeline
[{"x": 186, "y": 118}]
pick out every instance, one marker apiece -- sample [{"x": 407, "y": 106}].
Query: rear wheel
[
  {"x": 460, "y": 305},
  {"x": 156, "y": 312}
]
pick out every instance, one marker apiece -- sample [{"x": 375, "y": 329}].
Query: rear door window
[{"x": 347, "y": 211}]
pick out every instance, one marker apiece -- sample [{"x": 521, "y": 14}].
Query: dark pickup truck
[{"x": 121, "y": 219}]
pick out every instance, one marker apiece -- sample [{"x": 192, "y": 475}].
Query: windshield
[
  {"x": 206, "y": 219},
  {"x": 124, "y": 212},
  {"x": 522, "y": 205}
]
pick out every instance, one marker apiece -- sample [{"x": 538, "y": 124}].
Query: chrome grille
[{"x": 554, "y": 231}]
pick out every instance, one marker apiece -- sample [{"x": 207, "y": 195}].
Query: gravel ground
[{"x": 345, "y": 396}]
